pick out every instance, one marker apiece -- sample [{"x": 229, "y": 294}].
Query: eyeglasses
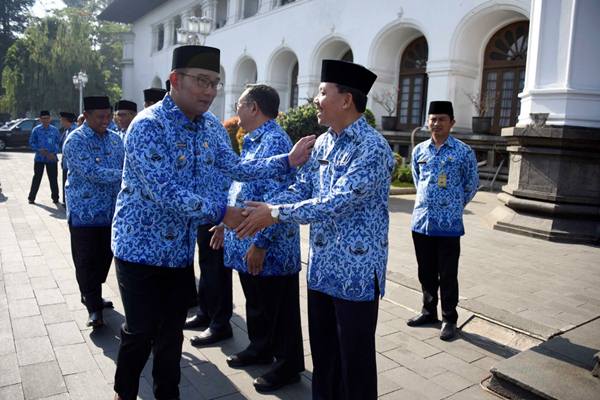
[
  {"x": 204, "y": 82},
  {"x": 238, "y": 104}
]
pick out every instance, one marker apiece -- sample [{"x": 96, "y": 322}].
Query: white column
[
  {"x": 563, "y": 61},
  {"x": 308, "y": 85},
  {"x": 234, "y": 12},
  {"x": 127, "y": 73},
  {"x": 232, "y": 93},
  {"x": 447, "y": 80}
]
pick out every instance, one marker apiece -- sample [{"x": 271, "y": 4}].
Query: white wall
[{"x": 376, "y": 31}]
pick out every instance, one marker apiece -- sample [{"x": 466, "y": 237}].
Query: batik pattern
[
  {"x": 342, "y": 192},
  {"x": 45, "y": 138},
  {"x": 439, "y": 208},
  {"x": 282, "y": 241},
  {"x": 95, "y": 167}
]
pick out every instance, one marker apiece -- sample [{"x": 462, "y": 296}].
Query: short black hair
[
  {"x": 358, "y": 97},
  {"x": 265, "y": 97}
]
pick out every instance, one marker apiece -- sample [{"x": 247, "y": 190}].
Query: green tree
[
  {"x": 40, "y": 64},
  {"x": 14, "y": 15}
]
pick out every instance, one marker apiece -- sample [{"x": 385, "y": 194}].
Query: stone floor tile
[
  {"x": 14, "y": 392},
  {"x": 64, "y": 333},
  {"x": 89, "y": 385},
  {"x": 34, "y": 350},
  {"x": 49, "y": 296},
  {"x": 9, "y": 370},
  {"x": 75, "y": 358},
  {"x": 23, "y": 308},
  {"x": 28, "y": 327},
  {"x": 42, "y": 380},
  {"x": 208, "y": 380},
  {"x": 19, "y": 292},
  {"x": 55, "y": 313}
]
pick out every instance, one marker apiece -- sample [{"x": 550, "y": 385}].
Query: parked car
[{"x": 16, "y": 133}]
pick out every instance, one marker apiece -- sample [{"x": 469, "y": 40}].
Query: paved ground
[{"x": 47, "y": 352}]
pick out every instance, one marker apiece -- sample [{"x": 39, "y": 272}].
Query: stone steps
[{"x": 559, "y": 369}]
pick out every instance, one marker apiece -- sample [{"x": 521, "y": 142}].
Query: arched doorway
[
  {"x": 412, "y": 85},
  {"x": 504, "y": 74},
  {"x": 294, "y": 86}
]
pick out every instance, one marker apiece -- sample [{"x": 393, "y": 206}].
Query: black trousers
[
  {"x": 215, "y": 298},
  {"x": 273, "y": 320},
  {"x": 64, "y": 180},
  {"x": 38, "y": 172},
  {"x": 92, "y": 256},
  {"x": 437, "y": 257},
  {"x": 155, "y": 300},
  {"x": 342, "y": 342}
]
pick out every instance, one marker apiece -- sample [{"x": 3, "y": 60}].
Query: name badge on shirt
[{"x": 442, "y": 180}]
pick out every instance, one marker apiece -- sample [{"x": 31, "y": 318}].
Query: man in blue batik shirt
[
  {"x": 172, "y": 150},
  {"x": 68, "y": 123},
  {"x": 268, "y": 263},
  {"x": 45, "y": 141},
  {"x": 94, "y": 156},
  {"x": 125, "y": 112},
  {"x": 342, "y": 192},
  {"x": 445, "y": 174}
]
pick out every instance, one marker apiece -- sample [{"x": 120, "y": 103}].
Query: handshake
[{"x": 250, "y": 220}]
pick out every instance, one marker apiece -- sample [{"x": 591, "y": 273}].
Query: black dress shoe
[
  {"x": 95, "y": 319},
  {"x": 271, "y": 381},
  {"x": 197, "y": 321},
  {"x": 107, "y": 304},
  {"x": 448, "y": 331},
  {"x": 245, "y": 358},
  {"x": 209, "y": 336},
  {"x": 422, "y": 319},
  {"x": 31, "y": 201}
]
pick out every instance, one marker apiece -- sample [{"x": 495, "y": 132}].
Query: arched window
[
  {"x": 176, "y": 27},
  {"x": 221, "y": 18},
  {"x": 160, "y": 37},
  {"x": 250, "y": 8},
  {"x": 348, "y": 56},
  {"x": 412, "y": 90},
  {"x": 504, "y": 74},
  {"x": 294, "y": 87}
]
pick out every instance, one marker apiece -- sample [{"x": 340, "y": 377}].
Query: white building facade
[{"x": 424, "y": 50}]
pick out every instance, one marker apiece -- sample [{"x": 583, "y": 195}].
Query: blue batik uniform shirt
[
  {"x": 45, "y": 138},
  {"x": 95, "y": 166},
  {"x": 282, "y": 241},
  {"x": 63, "y": 138},
  {"x": 439, "y": 210},
  {"x": 342, "y": 192},
  {"x": 169, "y": 160}
]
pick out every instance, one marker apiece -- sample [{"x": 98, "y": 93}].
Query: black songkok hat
[
  {"x": 441, "y": 107},
  {"x": 197, "y": 57},
  {"x": 168, "y": 85},
  {"x": 44, "y": 113},
  {"x": 154, "y": 94},
  {"x": 68, "y": 116},
  {"x": 347, "y": 74},
  {"x": 126, "y": 105},
  {"x": 96, "y": 103}
]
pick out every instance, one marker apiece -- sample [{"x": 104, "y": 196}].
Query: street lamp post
[
  {"x": 198, "y": 28},
  {"x": 79, "y": 80}
]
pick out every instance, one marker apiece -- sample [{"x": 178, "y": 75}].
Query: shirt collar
[
  {"x": 256, "y": 134},
  {"x": 353, "y": 130},
  {"x": 175, "y": 114},
  {"x": 450, "y": 142}
]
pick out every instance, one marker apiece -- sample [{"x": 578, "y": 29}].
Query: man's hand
[
  {"x": 44, "y": 152},
  {"x": 233, "y": 217},
  {"x": 52, "y": 156},
  {"x": 301, "y": 151},
  {"x": 255, "y": 258},
  {"x": 258, "y": 217},
  {"x": 218, "y": 237}
]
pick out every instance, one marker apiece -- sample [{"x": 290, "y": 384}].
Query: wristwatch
[{"x": 275, "y": 213}]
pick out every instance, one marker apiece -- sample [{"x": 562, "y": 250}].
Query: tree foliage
[
  {"x": 39, "y": 66},
  {"x": 14, "y": 15}
]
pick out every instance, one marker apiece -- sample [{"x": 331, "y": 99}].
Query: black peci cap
[
  {"x": 154, "y": 94},
  {"x": 126, "y": 105},
  {"x": 441, "y": 107},
  {"x": 96, "y": 103},
  {"x": 348, "y": 74},
  {"x": 197, "y": 57},
  {"x": 68, "y": 116},
  {"x": 44, "y": 113}
]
